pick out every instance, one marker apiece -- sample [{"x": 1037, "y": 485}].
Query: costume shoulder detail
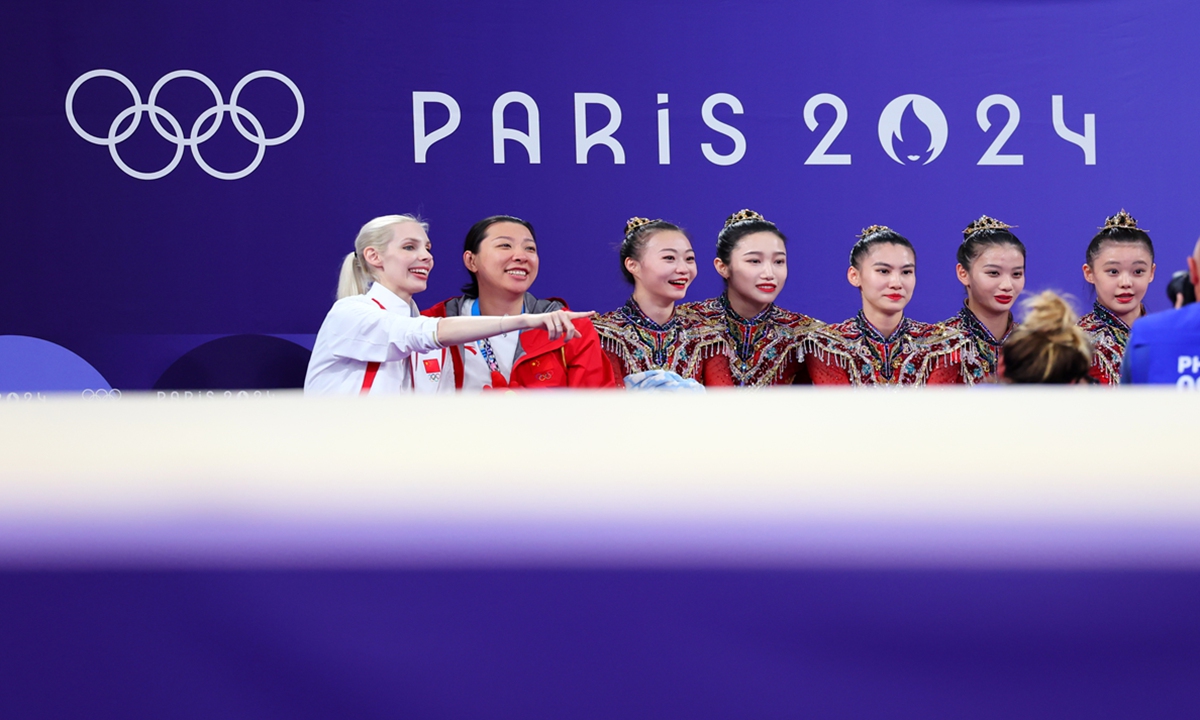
[
  {"x": 936, "y": 337},
  {"x": 1109, "y": 336},
  {"x": 681, "y": 345},
  {"x": 908, "y": 357},
  {"x": 797, "y": 322}
]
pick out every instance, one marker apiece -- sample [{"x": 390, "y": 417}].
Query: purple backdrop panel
[
  {"x": 207, "y": 181},
  {"x": 30, "y": 367}
]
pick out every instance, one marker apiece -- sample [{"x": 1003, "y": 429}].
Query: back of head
[
  {"x": 1194, "y": 270},
  {"x": 355, "y": 277},
  {"x": 1048, "y": 347}
]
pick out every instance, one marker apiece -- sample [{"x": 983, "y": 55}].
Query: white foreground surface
[{"x": 990, "y": 477}]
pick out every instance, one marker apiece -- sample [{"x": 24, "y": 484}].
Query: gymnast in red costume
[
  {"x": 880, "y": 346},
  {"x": 764, "y": 343},
  {"x": 1120, "y": 264},
  {"x": 991, "y": 266},
  {"x": 650, "y": 331}
]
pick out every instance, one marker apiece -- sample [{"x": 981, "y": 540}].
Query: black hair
[
  {"x": 877, "y": 235},
  {"x": 475, "y": 238},
  {"x": 1120, "y": 228},
  {"x": 977, "y": 239},
  {"x": 637, "y": 232},
  {"x": 736, "y": 229}
]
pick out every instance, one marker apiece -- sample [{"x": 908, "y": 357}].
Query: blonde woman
[
  {"x": 1048, "y": 347},
  {"x": 374, "y": 340}
]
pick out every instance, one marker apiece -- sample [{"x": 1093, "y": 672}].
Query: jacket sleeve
[
  {"x": 587, "y": 364},
  {"x": 354, "y": 330}
]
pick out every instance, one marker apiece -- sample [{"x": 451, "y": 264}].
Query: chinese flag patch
[{"x": 432, "y": 366}]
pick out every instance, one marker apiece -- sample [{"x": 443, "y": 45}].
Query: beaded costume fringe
[
  {"x": 938, "y": 358},
  {"x": 623, "y": 347}
]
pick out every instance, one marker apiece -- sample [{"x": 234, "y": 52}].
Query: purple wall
[
  {"x": 131, "y": 274},
  {"x": 599, "y": 643}
]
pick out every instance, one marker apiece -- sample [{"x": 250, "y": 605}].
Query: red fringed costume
[
  {"x": 855, "y": 353},
  {"x": 1109, "y": 335},
  {"x": 981, "y": 349},
  {"x": 634, "y": 343},
  {"x": 767, "y": 349}
]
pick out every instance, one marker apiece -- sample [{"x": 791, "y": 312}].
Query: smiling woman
[
  {"x": 880, "y": 346},
  {"x": 649, "y": 332},
  {"x": 501, "y": 255},
  {"x": 374, "y": 341},
  {"x": 1120, "y": 264}
]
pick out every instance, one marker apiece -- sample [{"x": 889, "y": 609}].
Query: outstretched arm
[{"x": 465, "y": 329}]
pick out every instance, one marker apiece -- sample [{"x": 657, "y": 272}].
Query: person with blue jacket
[{"x": 1164, "y": 348}]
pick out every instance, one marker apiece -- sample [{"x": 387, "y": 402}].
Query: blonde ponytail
[
  {"x": 1049, "y": 346},
  {"x": 351, "y": 280},
  {"x": 355, "y": 277}
]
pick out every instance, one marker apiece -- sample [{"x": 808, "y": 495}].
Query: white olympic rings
[{"x": 175, "y": 132}]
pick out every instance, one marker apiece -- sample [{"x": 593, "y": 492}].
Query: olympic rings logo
[{"x": 192, "y": 140}]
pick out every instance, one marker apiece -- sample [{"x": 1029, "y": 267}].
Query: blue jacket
[{"x": 1164, "y": 349}]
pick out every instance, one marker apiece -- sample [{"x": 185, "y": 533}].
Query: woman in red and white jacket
[
  {"x": 500, "y": 253},
  {"x": 374, "y": 341}
]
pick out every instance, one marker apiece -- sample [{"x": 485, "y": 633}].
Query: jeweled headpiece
[
  {"x": 741, "y": 215},
  {"x": 1121, "y": 220},
  {"x": 871, "y": 230},
  {"x": 985, "y": 223},
  {"x": 632, "y": 225}
]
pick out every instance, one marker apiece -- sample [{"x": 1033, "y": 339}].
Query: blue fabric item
[
  {"x": 661, "y": 380},
  {"x": 1164, "y": 349}
]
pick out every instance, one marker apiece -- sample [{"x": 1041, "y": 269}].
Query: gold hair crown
[
  {"x": 739, "y": 216},
  {"x": 985, "y": 223},
  {"x": 1121, "y": 220},
  {"x": 871, "y": 230},
  {"x": 634, "y": 223}
]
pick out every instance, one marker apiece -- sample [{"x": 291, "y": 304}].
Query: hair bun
[
  {"x": 636, "y": 222},
  {"x": 1048, "y": 312},
  {"x": 984, "y": 223},
  {"x": 1048, "y": 346},
  {"x": 743, "y": 215},
  {"x": 1121, "y": 220},
  {"x": 871, "y": 230}
]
